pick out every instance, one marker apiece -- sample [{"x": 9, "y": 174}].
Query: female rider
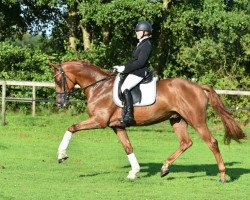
[{"x": 135, "y": 69}]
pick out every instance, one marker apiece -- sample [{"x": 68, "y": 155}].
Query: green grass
[{"x": 97, "y": 167}]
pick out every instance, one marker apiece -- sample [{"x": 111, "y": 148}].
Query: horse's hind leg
[
  {"x": 123, "y": 136},
  {"x": 180, "y": 128},
  {"x": 214, "y": 147}
]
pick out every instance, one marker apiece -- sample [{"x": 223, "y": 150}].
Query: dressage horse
[{"x": 181, "y": 101}]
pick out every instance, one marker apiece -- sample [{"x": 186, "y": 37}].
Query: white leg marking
[
  {"x": 134, "y": 165},
  {"x": 64, "y": 145}
]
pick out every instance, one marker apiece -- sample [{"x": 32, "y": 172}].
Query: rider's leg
[
  {"x": 130, "y": 82},
  {"x": 128, "y": 112},
  {"x": 128, "y": 117}
]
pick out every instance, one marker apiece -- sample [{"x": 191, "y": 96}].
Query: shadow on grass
[
  {"x": 145, "y": 130},
  {"x": 93, "y": 174},
  {"x": 211, "y": 170}
]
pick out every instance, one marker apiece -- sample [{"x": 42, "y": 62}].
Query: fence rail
[{"x": 33, "y": 99}]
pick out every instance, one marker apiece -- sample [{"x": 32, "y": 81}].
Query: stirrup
[{"x": 127, "y": 121}]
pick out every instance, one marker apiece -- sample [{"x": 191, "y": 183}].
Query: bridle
[{"x": 66, "y": 93}]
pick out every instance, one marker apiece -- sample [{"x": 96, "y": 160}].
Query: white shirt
[{"x": 140, "y": 40}]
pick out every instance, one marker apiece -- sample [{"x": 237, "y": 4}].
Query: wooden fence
[{"x": 33, "y": 100}]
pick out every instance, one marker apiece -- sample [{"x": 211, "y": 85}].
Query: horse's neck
[
  {"x": 101, "y": 88},
  {"x": 84, "y": 81},
  {"x": 88, "y": 77}
]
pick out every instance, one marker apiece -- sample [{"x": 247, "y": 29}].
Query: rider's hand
[{"x": 119, "y": 69}]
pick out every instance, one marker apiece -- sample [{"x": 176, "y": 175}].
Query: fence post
[
  {"x": 33, "y": 100},
  {"x": 3, "y": 103}
]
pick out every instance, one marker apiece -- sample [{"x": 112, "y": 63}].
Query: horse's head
[{"x": 64, "y": 83}]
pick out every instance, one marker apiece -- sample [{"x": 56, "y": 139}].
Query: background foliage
[{"x": 205, "y": 40}]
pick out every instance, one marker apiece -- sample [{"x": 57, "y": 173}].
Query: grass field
[{"x": 97, "y": 166}]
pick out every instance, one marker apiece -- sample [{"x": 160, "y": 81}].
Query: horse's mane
[{"x": 86, "y": 64}]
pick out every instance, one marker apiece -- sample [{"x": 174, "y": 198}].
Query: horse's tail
[{"x": 232, "y": 129}]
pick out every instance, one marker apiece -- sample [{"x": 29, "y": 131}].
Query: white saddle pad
[{"x": 148, "y": 92}]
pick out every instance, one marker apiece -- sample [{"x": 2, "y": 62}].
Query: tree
[
  {"x": 210, "y": 39},
  {"x": 163, "y": 42},
  {"x": 18, "y": 17}
]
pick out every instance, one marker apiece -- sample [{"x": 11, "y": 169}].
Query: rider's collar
[{"x": 145, "y": 37}]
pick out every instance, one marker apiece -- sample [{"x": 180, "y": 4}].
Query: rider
[{"x": 135, "y": 69}]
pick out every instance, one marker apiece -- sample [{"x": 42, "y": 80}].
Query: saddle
[{"x": 143, "y": 94}]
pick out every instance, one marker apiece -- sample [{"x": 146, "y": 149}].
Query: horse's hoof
[
  {"x": 61, "y": 160},
  {"x": 164, "y": 172},
  {"x": 132, "y": 175},
  {"x": 222, "y": 181}
]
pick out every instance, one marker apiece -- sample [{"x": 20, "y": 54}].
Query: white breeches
[{"x": 130, "y": 82}]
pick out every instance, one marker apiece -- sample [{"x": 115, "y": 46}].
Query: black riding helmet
[{"x": 144, "y": 26}]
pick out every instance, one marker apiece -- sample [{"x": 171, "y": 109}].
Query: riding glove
[{"x": 119, "y": 69}]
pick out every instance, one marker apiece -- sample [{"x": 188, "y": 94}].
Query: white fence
[{"x": 33, "y": 100}]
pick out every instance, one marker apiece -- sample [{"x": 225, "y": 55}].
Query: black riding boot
[{"x": 128, "y": 109}]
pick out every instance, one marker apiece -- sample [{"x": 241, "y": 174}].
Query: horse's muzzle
[{"x": 62, "y": 99}]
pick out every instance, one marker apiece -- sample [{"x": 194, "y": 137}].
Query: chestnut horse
[{"x": 183, "y": 102}]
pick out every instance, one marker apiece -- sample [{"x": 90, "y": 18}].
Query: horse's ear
[{"x": 53, "y": 65}]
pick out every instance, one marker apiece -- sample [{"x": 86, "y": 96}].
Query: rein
[{"x": 92, "y": 84}]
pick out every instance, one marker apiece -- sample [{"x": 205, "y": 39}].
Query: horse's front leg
[
  {"x": 123, "y": 136},
  {"x": 90, "y": 123}
]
